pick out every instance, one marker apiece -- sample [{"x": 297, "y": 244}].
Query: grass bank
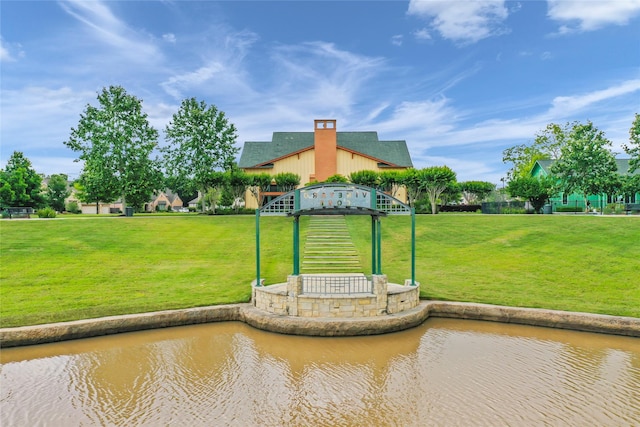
[{"x": 66, "y": 269}]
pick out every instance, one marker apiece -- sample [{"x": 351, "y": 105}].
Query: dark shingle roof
[{"x": 256, "y": 153}]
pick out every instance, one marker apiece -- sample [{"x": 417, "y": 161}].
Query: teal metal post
[
  {"x": 373, "y": 246},
  {"x": 379, "y": 244},
  {"x": 296, "y": 233},
  {"x": 296, "y": 245},
  {"x": 257, "y": 247},
  {"x": 413, "y": 246}
]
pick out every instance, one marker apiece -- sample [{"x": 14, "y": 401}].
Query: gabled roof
[
  {"x": 623, "y": 166},
  {"x": 283, "y": 144}
]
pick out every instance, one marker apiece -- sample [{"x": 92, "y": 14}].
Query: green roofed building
[
  {"x": 318, "y": 155},
  {"x": 597, "y": 202}
]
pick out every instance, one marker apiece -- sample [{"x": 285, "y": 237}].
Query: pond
[{"x": 445, "y": 372}]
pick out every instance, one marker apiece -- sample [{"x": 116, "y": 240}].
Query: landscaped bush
[
  {"x": 614, "y": 208},
  {"x": 72, "y": 207},
  {"x": 46, "y": 213},
  {"x": 460, "y": 208},
  {"x": 513, "y": 211},
  {"x": 569, "y": 209}
]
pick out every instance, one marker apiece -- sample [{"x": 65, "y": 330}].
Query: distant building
[
  {"x": 596, "y": 201},
  {"x": 317, "y": 155}
]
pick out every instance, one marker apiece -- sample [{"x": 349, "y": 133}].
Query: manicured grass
[{"x": 65, "y": 269}]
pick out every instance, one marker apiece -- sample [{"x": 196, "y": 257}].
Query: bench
[
  {"x": 631, "y": 207},
  {"x": 19, "y": 212}
]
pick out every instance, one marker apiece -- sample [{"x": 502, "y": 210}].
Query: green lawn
[{"x": 83, "y": 267}]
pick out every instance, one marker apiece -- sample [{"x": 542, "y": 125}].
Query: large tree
[
  {"x": 548, "y": 144},
  {"x": 474, "y": 192},
  {"x": 368, "y": 178},
  {"x": 20, "y": 184},
  {"x": 95, "y": 185},
  {"x": 537, "y": 190},
  {"x": 586, "y": 164},
  {"x": 259, "y": 184},
  {"x": 57, "y": 191},
  {"x": 390, "y": 181},
  {"x": 287, "y": 181},
  {"x": 435, "y": 180},
  {"x": 633, "y": 148},
  {"x": 237, "y": 181},
  {"x": 201, "y": 141},
  {"x": 115, "y": 141}
]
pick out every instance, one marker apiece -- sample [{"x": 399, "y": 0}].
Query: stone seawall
[{"x": 40, "y": 334}]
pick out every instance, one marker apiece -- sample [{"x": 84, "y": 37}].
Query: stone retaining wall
[
  {"x": 286, "y": 299},
  {"x": 247, "y": 313}
]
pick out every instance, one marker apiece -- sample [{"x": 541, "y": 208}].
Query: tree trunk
[{"x": 201, "y": 198}]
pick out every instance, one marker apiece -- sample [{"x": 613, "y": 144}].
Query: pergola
[{"x": 337, "y": 199}]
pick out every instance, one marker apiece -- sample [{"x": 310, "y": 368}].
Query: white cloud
[
  {"x": 463, "y": 22},
  {"x": 422, "y": 34},
  {"x": 581, "y": 15},
  {"x": 397, "y": 40},
  {"x": 169, "y": 37},
  {"x": 10, "y": 52},
  {"x": 176, "y": 84},
  {"x": 112, "y": 31},
  {"x": 567, "y": 105}
]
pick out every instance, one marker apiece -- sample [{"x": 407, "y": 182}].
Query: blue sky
[{"x": 460, "y": 81}]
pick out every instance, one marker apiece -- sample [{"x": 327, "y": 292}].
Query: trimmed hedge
[{"x": 569, "y": 209}]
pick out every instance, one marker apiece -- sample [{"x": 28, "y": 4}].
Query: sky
[{"x": 459, "y": 81}]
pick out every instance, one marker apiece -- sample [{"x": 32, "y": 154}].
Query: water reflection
[{"x": 445, "y": 372}]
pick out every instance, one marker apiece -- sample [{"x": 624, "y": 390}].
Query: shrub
[
  {"x": 569, "y": 209},
  {"x": 614, "y": 208},
  {"x": 46, "y": 213},
  {"x": 513, "y": 211},
  {"x": 73, "y": 207}
]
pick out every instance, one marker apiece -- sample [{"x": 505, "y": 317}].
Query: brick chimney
[{"x": 325, "y": 142}]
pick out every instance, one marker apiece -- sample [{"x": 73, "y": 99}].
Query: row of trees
[
  {"x": 583, "y": 163},
  {"x": 120, "y": 149},
  {"x": 430, "y": 187},
  {"x": 122, "y": 159},
  {"x": 21, "y": 185}
]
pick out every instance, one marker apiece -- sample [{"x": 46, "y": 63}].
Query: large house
[
  {"x": 596, "y": 201},
  {"x": 318, "y": 155}
]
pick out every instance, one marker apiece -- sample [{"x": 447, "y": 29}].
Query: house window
[{"x": 564, "y": 199}]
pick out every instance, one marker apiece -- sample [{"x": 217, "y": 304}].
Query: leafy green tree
[
  {"x": 522, "y": 158},
  {"x": 259, "y": 184},
  {"x": 115, "y": 141},
  {"x": 20, "y": 184},
  {"x": 412, "y": 180},
  {"x": 368, "y": 178},
  {"x": 238, "y": 181},
  {"x": 287, "y": 181},
  {"x": 633, "y": 148},
  {"x": 390, "y": 182},
  {"x": 451, "y": 194},
  {"x": 548, "y": 144},
  {"x": 474, "y": 192},
  {"x": 629, "y": 185},
  {"x": 57, "y": 191},
  {"x": 537, "y": 190},
  {"x": 435, "y": 180},
  {"x": 95, "y": 186},
  {"x": 586, "y": 165},
  {"x": 201, "y": 141},
  {"x": 337, "y": 178}
]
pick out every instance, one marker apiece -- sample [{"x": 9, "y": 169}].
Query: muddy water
[{"x": 445, "y": 372}]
